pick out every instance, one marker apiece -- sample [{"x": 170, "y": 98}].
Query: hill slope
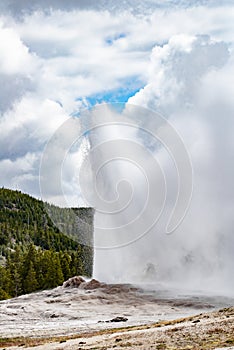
[{"x": 35, "y": 253}]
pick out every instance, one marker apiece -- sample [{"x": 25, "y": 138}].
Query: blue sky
[{"x": 120, "y": 95}]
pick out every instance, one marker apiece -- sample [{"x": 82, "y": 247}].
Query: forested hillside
[{"x": 34, "y": 252}]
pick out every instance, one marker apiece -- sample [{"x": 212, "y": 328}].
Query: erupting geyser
[
  {"x": 139, "y": 171},
  {"x": 141, "y": 186}
]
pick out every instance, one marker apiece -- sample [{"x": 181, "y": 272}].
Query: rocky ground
[{"x": 100, "y": 316}]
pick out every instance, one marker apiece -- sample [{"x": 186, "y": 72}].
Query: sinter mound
[
  {"x": 79, "y": 282},
  {"x": 73, "y": 282}
]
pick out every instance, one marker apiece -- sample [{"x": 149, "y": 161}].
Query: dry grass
[{"x": 204, "y": 331}]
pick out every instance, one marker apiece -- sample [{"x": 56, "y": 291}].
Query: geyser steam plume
[
  {"x": 137, "y": 184},
  {"x": 129, "y": 187},
  {"x": 137, "y": 171},
  {"x": 193, "y": 72}
]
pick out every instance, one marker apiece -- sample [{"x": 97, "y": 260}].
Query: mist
[{"x": 135, "y": 183}]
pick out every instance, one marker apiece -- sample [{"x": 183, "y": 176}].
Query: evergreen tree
[
  {"x": 65, "y": 264},
  {"x": 30, "y": 282},
  {"x": 5, "y": 282},
  {"x": 14, "y": 268},
  {"x": 77, "y": 264},
  {"x": 3, "y": 294},
  {"x": 28, "y": 262},
  {"x": 54, "y": 275}
]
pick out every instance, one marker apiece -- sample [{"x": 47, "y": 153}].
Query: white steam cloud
[{"x": 191, "y": 85}]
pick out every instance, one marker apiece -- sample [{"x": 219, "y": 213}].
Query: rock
[
  {"x": 196, "y": 321},
  {"x": 119, "y": 319},
  {"x": 93, "y": 284},
  {"x": 73, "y": 282}
]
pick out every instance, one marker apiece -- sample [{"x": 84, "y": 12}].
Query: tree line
[
  {"x": 35, "y": 254},
  {"x": 36, "y": 269}
]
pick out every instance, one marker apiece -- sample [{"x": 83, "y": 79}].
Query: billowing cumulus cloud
[
  {"x": 176, "y": 71},
  {"x": 14, "y": 56}
]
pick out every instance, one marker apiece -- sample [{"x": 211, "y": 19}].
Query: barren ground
[{"x": 76, "y": 318}]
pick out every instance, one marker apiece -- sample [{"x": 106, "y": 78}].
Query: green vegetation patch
[{"x": 36, "y": 254}]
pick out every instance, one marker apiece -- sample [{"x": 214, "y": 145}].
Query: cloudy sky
[{"x": 58, "y": 57}]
